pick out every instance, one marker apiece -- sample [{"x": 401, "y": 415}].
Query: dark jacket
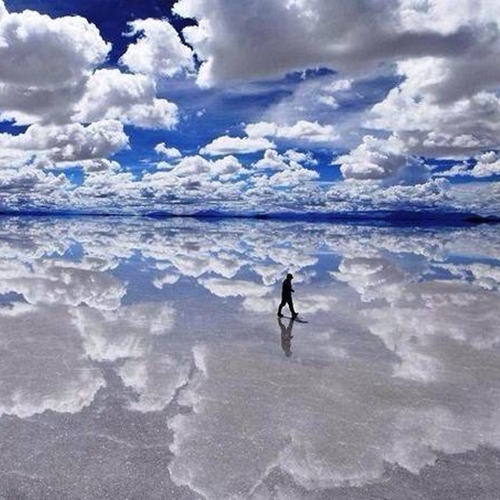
[{"x": 286, "y": 291}]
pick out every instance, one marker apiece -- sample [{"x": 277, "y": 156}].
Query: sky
[{"x": 188, "y": 106}]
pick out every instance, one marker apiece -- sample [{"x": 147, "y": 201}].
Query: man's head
[{"x": 289, "y": 277}]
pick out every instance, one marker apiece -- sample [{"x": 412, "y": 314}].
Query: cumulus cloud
[
  {"x": 257, "y": 139},
  {"x": 30, "y": 187},
  {"x": 487, "y": 165},
  {"x": 195, "y": 165},
  {"x": 226, "y": 145},
  {"x": 243, "y": 43},
  {"x": 453, "y": 129},
  {"x": 292, "y": 177},
  {"x": 131, "y": 99},
  {"x": 57, "y": 90},
  {"x": 58, "y": 56},
  {"x": 50, "y": 144},
  {"x": 447, "y": 106},
  {"x": 370, "y": 195},
  {"x": 272, "y": 160},
  {"x": 55, "y": 52},
  {"x": 302, "y": 132},
  {"x": 158, "y": 51},
  {"x": 234, "y": 288},
  {"x": 378, "y": 159},
  {"x": 170, "y": 153},
  {"x": 444, "y": 104},
  {"x": 370, "y": 161}
]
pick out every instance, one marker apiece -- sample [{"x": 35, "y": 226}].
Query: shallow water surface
[{"x": 144, "y": 359}]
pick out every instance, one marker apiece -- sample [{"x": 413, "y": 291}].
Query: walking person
[{"x": 286, "y": 296}]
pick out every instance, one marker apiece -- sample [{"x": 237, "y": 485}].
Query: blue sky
[{"x": 139, "y": 106}]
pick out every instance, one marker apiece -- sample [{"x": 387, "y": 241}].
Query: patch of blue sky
[
  {"x": 74, "y": 174},
  {"x": 9, "y": 127}
]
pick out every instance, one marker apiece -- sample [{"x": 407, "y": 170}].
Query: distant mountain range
[
  {"x": 368, "y": 217},
  {"x": 382, "y": 217}
]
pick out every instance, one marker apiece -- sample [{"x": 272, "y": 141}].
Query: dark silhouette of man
[
  {"x": 286, "y": 337},
  {"x": 286, "y": 296}
]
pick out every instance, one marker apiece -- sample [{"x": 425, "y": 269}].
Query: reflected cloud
[
  {"x": 126, "y": 333},
  {"x": 43, "y": 365}
]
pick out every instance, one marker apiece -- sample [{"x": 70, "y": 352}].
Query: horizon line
[{"x": 385, "y": 217}]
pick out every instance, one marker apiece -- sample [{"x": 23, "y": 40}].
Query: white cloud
[
  {"x": 487, "y": 165},
  {"x": 328, "y": 100},
  {"x": 290, "y": 160},
  {"x": 49, "y": 144},
  {"x": 373, "y": 159},
  {"x": 166, "y": 279},
  {"x": 293, "y": 177},
  {"x": 352, "y": 195},
  {"x": 58, "y": 87},
  {"x": 131, "y": 99},
  {"x": 445, "y": 107},
  {"x": 57, "y": 282},
  {"x": 158, "y": 51},
  {"x": 445, "y": 53},
  {"x": 170, "y": 153},
  {"x": 271, "y": 160},
  {"x": 27, "y": 178},
  {"x": 197, "y": 169},
  {"x": 302, "y": 132},
  {"x": 328, "y": 92},
  {"x": 54, "y": 52},
  {"x": 122, "y": 333},
  {"x": 57, "y": 55},
  {"x": 236, "y": 145},
  {"x": 337, "y": 86},
  {"x": 99, "y": 165},
  {"x": 242, "y": 42},
  {"x": 28, "y": 105}
]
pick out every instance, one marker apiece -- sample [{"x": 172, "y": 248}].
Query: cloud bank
[{"x": 377, "y": 94}]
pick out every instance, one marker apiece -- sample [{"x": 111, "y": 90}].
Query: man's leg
[
  {"x": 282, "y": 305},
  {"x": 292, "y": 310}
]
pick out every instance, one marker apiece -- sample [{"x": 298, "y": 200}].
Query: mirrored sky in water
[{"x": 143, "y": 358}]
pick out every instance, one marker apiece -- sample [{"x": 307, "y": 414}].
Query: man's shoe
[
  {"x": 280, "y": 315},
  {"x": 295, "y": 315}
]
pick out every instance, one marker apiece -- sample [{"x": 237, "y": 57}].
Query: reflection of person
[
  {"x": 286, "y": 296},
  {"x": 286, "y": 337}
]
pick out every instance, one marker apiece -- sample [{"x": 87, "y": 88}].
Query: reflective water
[{"x": 143, "y": 359}]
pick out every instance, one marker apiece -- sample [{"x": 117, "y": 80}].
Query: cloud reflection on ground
[{"x": 157, "y": 341}]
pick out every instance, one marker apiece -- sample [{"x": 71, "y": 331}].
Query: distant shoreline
[{"x": 389, "y": 218}]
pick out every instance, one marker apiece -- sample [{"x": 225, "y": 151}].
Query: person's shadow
[{"x": 286, "y": 336}]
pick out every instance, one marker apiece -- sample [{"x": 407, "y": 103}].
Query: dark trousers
[{"x": 284, "y": 302}]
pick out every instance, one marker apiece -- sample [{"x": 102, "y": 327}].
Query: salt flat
[{"x": 143, "y": 359}]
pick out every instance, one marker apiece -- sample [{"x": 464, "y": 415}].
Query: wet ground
[{"x": 143, "y": 359}]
